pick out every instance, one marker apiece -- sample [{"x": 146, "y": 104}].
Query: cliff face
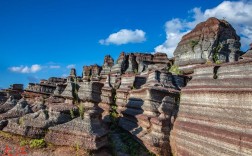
[
  {"x": 211, "y": 41},
  {"x": 215, "y": 112}
]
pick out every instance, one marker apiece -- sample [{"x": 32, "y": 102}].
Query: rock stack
[
  {"x": 212, "y": 41},
  {"x": 107, "y": 100},
  {"x": 107, "y": 65},
  {"x": 139, "y": 109},
  {"x": 85, "y": 131}
]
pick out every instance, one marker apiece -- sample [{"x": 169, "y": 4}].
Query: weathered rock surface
[
  {"x": 107, "y": 65},
  {"x": 107, "y": 99},
  {"x": 141, "y": 110},
  {"x": 20, "y": 109},
  {"x": 211, "y": 41},
  {"x": 215, "y": 112},
  {"x": 87, "y": 132},
  {"x": 35, "y": 125},
  {"x": 9, "y": 104}
]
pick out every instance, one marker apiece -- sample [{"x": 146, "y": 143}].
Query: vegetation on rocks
[
  {"x": 81, "y": 111},
  {"x": 193, "y": 43},
  {"x": 175, "y": 70},
  {"x": 37, "y": 143}
]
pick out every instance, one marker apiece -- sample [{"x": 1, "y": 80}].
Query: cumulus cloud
[
  {"x": 125, "y": 36},
  {"x": 238, "y": 13},
  {"x": 54, "y": 67},
  {"x": 70, "y": 66},
  {"x": 26, "y": 69},
  {"x": 174, "y": 29}
]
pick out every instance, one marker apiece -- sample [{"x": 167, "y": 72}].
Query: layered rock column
[
  {"x": 85, "y": 131},
  {"x": 142, "y": 116},
  {"x": 215, "y": 112},
  {"x": 212, "y": 41},
  {"x": 107, "y": 99}
]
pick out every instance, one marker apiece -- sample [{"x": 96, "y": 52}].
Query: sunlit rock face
[
  {"x": 147, "y": 110},
  {"x": 215, "y": 112},
  {"x": 211, "y": 41}
]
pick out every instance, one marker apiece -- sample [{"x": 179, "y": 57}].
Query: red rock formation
[
  {"x": 213, "y": 40},
  {"x": 215, "y": 112}
]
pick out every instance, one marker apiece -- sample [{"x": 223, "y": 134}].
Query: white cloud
[
  {"x": 54, "y": 67},
  {"x": 125, "y": 36},
  {"x": 25, "y": 69},
  {"x": 70, "y": 66},
  {"x": 238, "y": 13},
  {"x": 175, "y": 29}
]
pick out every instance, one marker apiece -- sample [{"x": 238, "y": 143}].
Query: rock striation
[
  {"x": 87, "y": 130},
  {"x": 142, "y": 110},
  {"x": 215, "y": 112},
  {"x": 213, "y": 41},
  {"x": 35, "y": 125}
]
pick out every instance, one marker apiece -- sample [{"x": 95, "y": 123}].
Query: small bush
[
  {"x": 218, "y": 62},
  {"x": 193, "y": 43},
  {"x": 81, "y": 111},
  {"x": 135, "y": 71},
  {"x": 72, "y": 113},
  {"x": 24, "y": 142},
  {"x": 21, "y": 121},
  {"x": 175, "y": 70},
  {"x": 37, "y": 143}
]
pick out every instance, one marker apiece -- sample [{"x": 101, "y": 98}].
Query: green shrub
[
  {"x": 135, "y": 71},
  {"x": 72, "y": 113},
  {"x": 21, "y": 121},
  {"x": 37, "y": 143},
  {"x": 216, "y": 51},
  {"x": 175, "y": 70},
  {"x": 81, "y": 111},
  {"x": 193, "y": 43},
  {"x": 24, "y": 142}
]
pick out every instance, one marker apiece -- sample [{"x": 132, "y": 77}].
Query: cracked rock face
[
  {"x": 9, "y": 104},
  {"x": 20, "y": 109},
  {"x": 211, "y": 41},
  {"x": 35, "y": 125}
]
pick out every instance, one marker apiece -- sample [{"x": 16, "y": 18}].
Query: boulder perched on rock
[{"x": 213, "y": 41}]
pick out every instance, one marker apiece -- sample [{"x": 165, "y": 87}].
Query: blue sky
[{"x": 41, "y": 38}]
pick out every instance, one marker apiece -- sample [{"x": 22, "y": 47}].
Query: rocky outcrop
[
  {"x": 141, "y": 110},
  {"x": 87, "y": 130},
  {"x": 215, "y": 112},
  {"x": 107, "y": 100},
  {"x": 107, "y": 65},
  {"x": 35, "y": 125},
  {"x": 213, "y": 41},
  {"x": 9, "y": 104},
  {"x": 20, "y": 109}
]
